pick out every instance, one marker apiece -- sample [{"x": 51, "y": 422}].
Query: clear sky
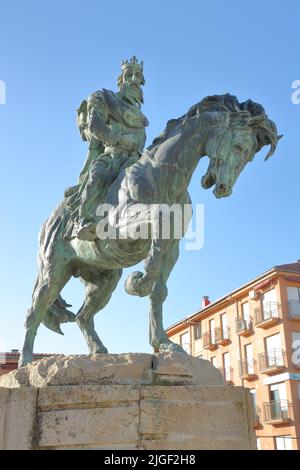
[{"x": 54, "y": 53}]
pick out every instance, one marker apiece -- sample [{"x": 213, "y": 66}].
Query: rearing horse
[{"x": 229, "y": 133}]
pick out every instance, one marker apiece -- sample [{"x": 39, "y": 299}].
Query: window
[
  {"x": 295, "y": 340},
  {"x": 269, "y": 303},
  {"x": 293, "y": 301},
  {"x": 246, "y": 314},
  {"x": 278, "y": 392},
  {"x": 283, "y": 442},
  {"x": 274, "y": 351},
  {"x": 226, "y": 361},
  {"x": 185, "y": 341},
  {"x": 197, "y": 331},
  {"x": 214, "y": 361},
  {"x": 226, "y": 365},
  {"x": 212, "y": 331},
  {"x": 293, "y": 293},
  {"x": 249, "y": 358},
  {"x": 224, "y": 323},
  {"x": 253, "y": 396},
  {"x": 296, "y": 348}
]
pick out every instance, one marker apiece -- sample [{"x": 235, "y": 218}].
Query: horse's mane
[
  {"x": 226, "y": 103},
  {"x": 266, "y": 132},
  {"x": 223, "y": 103}
]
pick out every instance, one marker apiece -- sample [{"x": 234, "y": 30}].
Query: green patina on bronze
[{"x": 118, "y": 172}]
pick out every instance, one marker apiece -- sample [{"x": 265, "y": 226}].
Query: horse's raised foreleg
[
  {"x": 99, "y": 288},
  {"x": 47, "y": 289},
  {"x": 157, "y": 335},
  {"x": 164, "y": 229},
  {"x": 141, "y": 284}
]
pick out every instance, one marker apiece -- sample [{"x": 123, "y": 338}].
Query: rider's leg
[
  {"x": 90, "y": 199},
  {"x": 93, "y": 189}
]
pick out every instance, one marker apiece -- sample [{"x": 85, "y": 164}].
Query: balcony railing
[
  {"x": 294, "y": 309},
  {"x": 277, "y": 411},
  {"x": 243, "y": 327},
  {"x": 272, "y": 361},
  {"x": 222, "y": 335},
  {"x": 208, "y": 341},
  {"x": 248, "y": 369},
  {"x": 227, "y": 373},
  {"x": 267, "y": 314}
]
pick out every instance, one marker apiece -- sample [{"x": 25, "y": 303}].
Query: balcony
[
  {"x": 273, "y": 361},
  {"x": 243, "y": 327},
  {"x": 277, "y": 411},
  {"x": 227, "y": 373},
  {"x": 222, "y": 336},
  {"x": 209, "y": 342},
  {"x": 294, "y": 309},
  {"x": 267, "y": 315},
  {"x": 248, "y": 369}
]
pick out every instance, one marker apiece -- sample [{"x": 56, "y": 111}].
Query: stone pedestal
[{"x": 123, "y": 401}]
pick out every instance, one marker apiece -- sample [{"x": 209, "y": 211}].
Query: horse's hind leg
[
  {"x": 99, "y": 287},
  {"x": 47, "y": 289}
]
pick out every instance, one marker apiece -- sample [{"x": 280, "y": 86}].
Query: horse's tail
[{"x": 52, "y": 231}]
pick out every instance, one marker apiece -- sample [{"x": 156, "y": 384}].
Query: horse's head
[{"x": 232, "y": 143}]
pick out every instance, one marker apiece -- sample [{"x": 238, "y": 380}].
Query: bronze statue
[{"x": 228, "y": 132}]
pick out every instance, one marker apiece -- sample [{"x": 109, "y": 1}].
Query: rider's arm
[{"x": 98, "y": 128}]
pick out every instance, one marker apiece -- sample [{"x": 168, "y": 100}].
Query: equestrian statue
[{"x": 128, "y": 181}]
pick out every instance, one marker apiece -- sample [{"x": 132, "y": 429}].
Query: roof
[{"x": 290, "y": 267}]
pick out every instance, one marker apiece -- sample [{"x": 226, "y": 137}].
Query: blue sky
[{"x": 53, "y": 54}]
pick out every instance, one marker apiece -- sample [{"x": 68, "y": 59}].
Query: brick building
[{"x": 253, "y": 336}]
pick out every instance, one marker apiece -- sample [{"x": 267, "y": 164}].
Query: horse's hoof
[
  {"x": 23, "y": 361},
  {"x": 136, "y": 285}
]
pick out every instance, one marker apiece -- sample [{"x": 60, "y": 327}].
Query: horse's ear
[{"x": 255, "y": 121}]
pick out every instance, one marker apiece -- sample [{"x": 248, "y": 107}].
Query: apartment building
[{"x": 252, "y": 335}]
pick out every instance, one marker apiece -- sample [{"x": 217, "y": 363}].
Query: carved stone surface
[
  {"x": 174, "y": 402},
  {"x": 99, "y": 369}
]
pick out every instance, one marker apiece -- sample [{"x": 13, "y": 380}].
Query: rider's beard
[{"x": 133, "y": 92}]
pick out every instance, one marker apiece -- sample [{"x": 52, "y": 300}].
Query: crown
[{"x": 133, "y": 63}]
